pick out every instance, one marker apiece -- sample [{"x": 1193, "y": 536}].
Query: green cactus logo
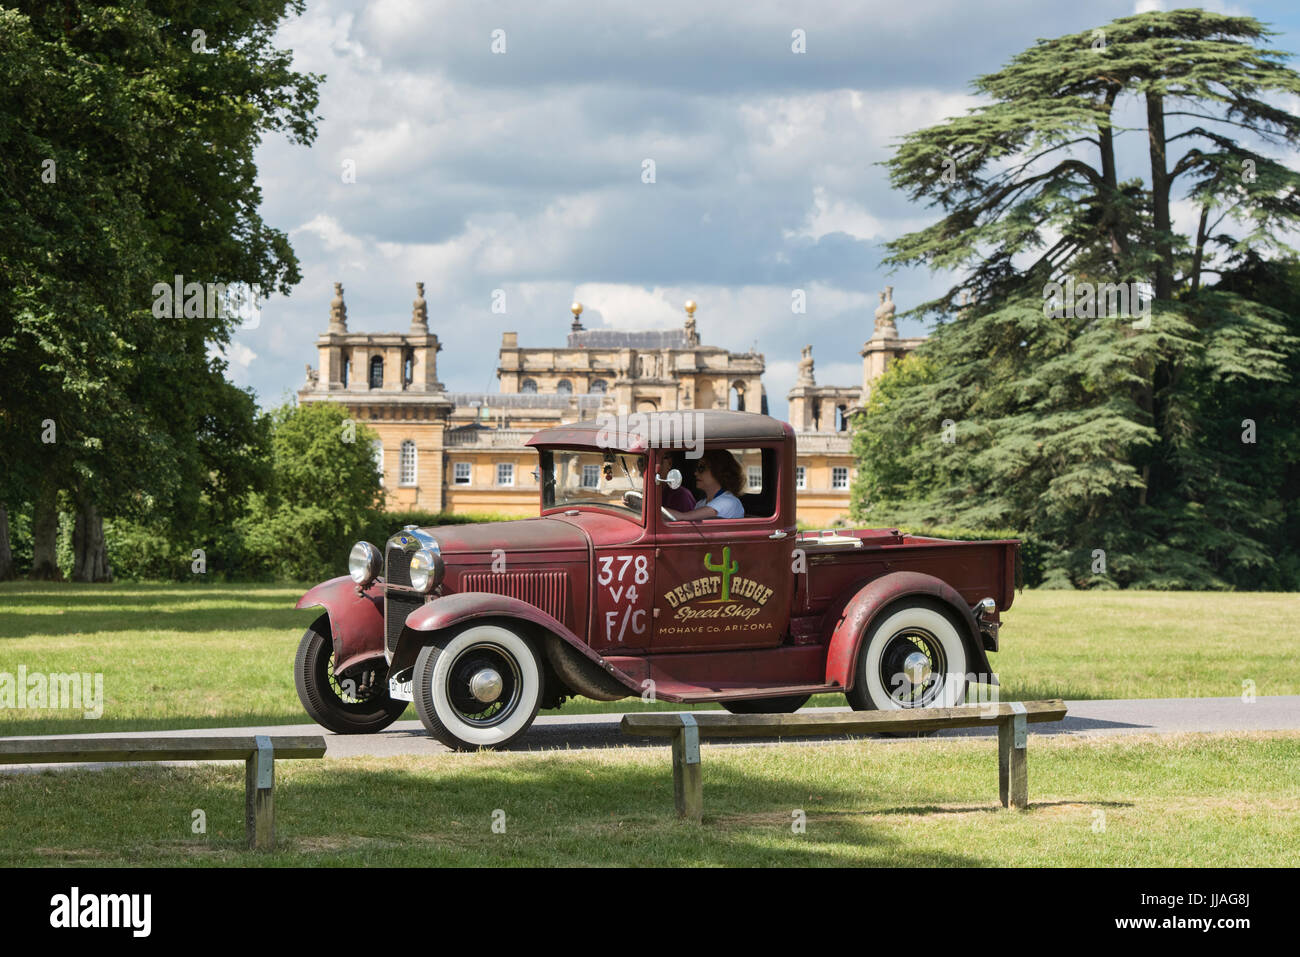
[{"x": 727, "y": 567}]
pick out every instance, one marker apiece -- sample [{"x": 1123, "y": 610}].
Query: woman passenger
[{"x": 718, "y": 476}]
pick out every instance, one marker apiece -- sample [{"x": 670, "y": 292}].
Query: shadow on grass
[
  {"x": 21, "y": 728},
  {"x": 554, "y": 813},
  {"x": 120, "y": 593},
  {"x": 88, "y": 619}
]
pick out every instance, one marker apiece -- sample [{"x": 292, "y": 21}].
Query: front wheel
[
  {"x": 353, "y": 703},
  {"x": 912, "y": 657},
  {"x": 480, "y": 688}
]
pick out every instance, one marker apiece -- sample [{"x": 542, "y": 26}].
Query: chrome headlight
[
  {"x": 426, "y": 570},
  {"x": 365, "y": 563}
]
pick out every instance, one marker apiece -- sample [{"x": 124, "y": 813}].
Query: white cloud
[{"x": 836, "y": 216}]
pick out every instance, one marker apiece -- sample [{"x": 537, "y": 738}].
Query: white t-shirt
[{"x": 724, "y": 503}]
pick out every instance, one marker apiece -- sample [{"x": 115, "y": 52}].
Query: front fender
[
  {"x": 356, "y": 618},
  {"x": 874, "y": 597},
  {"x": 443, "y": 613}
]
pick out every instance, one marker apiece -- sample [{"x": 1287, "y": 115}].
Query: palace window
[
  {"x": 598, "y": 386},
  {"x": 528, "y": 386},
  {"x": 839, "y": 477},
  {"x": 376, "y": 372},
  {"x": 505, "y": 473},
  {"x": 754, "y": 478},
  {"x": 800, "y": 477},
  {"x": 407, "y": 464},
  {"x": 564, "y": 387},
  {"x": 591, "y": 476},
  {"x": 460, "y": 473}
]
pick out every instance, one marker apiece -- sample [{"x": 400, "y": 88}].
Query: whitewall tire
[
  {"x": 912, "y": 657},
  {"x": 478, "y": 688}
]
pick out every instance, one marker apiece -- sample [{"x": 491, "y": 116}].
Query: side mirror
[{"x": 674, "y": 479}]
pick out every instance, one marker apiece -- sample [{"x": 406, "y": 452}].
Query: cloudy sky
[{"x": 523, "y": 171}]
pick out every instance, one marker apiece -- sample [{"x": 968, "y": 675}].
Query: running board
[
  {"x": 742, "y": 694},
  {"x": 775, "y": 672}
]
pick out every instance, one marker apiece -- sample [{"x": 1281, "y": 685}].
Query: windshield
[{"x": 586, "y": 477}]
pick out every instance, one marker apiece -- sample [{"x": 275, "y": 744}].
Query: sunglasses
[{"x": 701, "y": 468}]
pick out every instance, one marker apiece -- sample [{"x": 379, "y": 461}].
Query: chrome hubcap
[
  {"x": 917, "y": 668},
  {"x": 485, "y": 685}
]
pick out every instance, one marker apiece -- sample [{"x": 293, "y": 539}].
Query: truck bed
[{"x": 841, "y": 561}]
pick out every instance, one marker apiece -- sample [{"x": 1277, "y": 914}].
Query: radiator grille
[
  {"x": 398, "y": 571},
  {"x": 548, "y": 591},
  {"x": 397, "y": 605}
]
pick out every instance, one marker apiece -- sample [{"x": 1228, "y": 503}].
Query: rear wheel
[
  {"x": 786, "y": 705},
  {"x": 356, "y": 702},
  {"x": 479, "y": 688},
  {"x": 912, "y": 657}
]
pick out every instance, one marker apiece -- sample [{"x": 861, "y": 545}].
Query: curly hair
[{"x": 725, "y": 469}]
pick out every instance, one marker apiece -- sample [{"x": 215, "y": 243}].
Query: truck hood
[{"x": 514, "y": 538}]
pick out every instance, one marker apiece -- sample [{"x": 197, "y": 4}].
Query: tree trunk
[
  {"x": 1109, "y": 176},
  {"x": 1199, "y": 254},
  {"x": 1160, "y": 196},
  {"x": 45, "y": 533},
  {"x": 6, "y": 554},
  {"x": 90, "y": 555}
]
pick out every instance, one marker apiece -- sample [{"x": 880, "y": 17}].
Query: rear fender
[
  {"x": 873, "y": 598},
  {"x": 453, "y": 610},
  {"x": 356, "y": 618}
]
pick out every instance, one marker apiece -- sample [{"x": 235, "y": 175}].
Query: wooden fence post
[
  {"x": 1013, "y": 753},
  {"x": 259, "y": 795},
  {"x": 688, "y": 783}
]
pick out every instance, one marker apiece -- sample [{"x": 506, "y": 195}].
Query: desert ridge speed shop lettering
[{"x": 708, "y": 585}]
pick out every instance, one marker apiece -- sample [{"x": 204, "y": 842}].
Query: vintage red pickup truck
[{"x": 610, "y": 594}]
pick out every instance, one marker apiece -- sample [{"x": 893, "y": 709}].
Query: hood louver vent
[{"x": 548, "y": 591}]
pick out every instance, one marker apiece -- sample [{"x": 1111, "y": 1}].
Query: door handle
[{"x": 778, "y": 534}]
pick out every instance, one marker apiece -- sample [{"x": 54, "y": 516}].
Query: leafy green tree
[
  {"x": 127, "y": 133},
  {"x": 1052, "y": 403},
  {"x": 324, "y": 488}
]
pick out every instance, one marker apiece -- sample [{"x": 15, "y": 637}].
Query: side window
[
  {"x": 750, "y": 475},
  {"x": 759, "y": 495}
]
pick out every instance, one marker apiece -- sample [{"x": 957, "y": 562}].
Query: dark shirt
[{"x": 678, "y": 499}]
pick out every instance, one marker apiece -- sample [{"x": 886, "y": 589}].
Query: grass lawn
[
  {"x": 212, "y": 655},
  {"x": 1175, "y": 800}
]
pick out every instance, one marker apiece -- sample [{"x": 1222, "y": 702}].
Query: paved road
[{"x": 568, "y": 732}]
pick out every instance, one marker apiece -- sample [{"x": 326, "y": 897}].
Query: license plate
[{"x": 400, "y": 690}]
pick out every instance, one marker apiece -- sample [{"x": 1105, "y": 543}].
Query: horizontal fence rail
[
  {"x": 258, "y": 752},
  {"x": 687, "y": 729}
]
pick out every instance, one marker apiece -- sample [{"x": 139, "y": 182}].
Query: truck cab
[{"x": 611, "y": 592}]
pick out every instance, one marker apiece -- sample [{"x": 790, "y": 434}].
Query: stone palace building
[{"x": 464, "y": 452}]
